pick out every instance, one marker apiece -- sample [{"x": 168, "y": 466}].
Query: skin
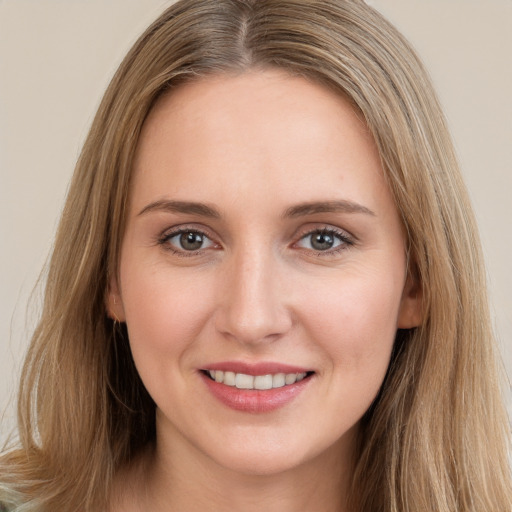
[{"x": 252, "y": 147}]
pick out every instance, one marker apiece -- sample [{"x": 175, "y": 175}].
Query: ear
[
  {"x": 411, "y": 306},
  {"x": 114, "y": 302}
]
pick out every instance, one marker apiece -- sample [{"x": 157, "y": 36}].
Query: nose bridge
[{"x": 253, "y": 307}]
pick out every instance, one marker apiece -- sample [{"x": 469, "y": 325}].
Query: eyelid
[
  {"x": 346, "y": 238},
  {"x": 169, "y": 233},
  {"x": 315, "y": 227}
]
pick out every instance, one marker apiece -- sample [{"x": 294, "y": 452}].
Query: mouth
[
  {"x": 256, "y": 382},
  {"x": 259, "y": 388}
]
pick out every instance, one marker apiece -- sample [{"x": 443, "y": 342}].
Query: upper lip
[{"x": 261, "y": 368}]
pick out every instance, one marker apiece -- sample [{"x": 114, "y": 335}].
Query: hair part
[{"x": 436, "y": 436}]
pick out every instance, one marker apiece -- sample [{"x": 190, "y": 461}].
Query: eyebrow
[
  {"x": 299, "y": 210},
  {"x": 338, "y": 206},
  {"x": 188, "y": 207}
]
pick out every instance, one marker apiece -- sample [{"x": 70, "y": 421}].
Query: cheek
[
  {"x": 355, "y": 320},
  {"x": 165, "y": 312}
]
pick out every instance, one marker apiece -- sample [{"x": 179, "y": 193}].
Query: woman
[{"x": 266, "y": 289}]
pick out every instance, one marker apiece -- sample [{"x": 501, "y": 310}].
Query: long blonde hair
[{"x": 436, "y": 436}]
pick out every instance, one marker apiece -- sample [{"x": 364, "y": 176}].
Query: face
[{"x": 263, "y": 271}]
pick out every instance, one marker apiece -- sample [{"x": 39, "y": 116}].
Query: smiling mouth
[{"x": 256, "y": 382}]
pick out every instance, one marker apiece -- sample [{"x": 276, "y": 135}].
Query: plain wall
[{"x": 57, "y": 56}]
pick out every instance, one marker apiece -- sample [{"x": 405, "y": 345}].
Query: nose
[{"x": 253, "y": 304}]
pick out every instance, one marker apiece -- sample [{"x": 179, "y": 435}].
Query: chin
[
  {"x": 266, "y": 455},
  {"x": 258, "y": 464}
]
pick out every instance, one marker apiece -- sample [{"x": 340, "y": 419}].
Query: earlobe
[
  {"x": 114, "y": 303},
  {"x": 411, "y": 305}
]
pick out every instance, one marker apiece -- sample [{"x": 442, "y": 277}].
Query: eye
[
  {"x": 187, "y": 240},
  {"x": 324, "y": 240}
]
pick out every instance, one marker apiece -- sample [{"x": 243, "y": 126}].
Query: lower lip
[{"x": 255, "y": 400}]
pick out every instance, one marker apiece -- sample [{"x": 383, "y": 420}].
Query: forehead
[
  {"x": 256, "y": 132},
  {"x": 271, "y": 94}
]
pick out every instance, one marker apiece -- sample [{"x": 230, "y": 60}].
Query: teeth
[
  {"x": 243, "y": 381},
  {"x": 229, "y": 378},
  {"x": 290, "y": 378},
  {"x": 261, "y": 382},
  {"x": 278, "y": 380}
]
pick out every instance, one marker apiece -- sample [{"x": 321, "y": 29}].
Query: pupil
[
  {"x": 191, "y": 241},
  {"x": 322, "y": 241}
]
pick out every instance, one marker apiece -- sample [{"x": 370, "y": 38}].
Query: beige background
[{"x": 57, "y": 56}]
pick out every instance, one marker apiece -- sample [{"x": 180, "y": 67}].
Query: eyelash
[
  {"x": 164, "y": 241},
  {"x": 345, "y": 240}
]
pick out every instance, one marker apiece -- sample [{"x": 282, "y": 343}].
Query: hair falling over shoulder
[{"x": 436, "y": 438}]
